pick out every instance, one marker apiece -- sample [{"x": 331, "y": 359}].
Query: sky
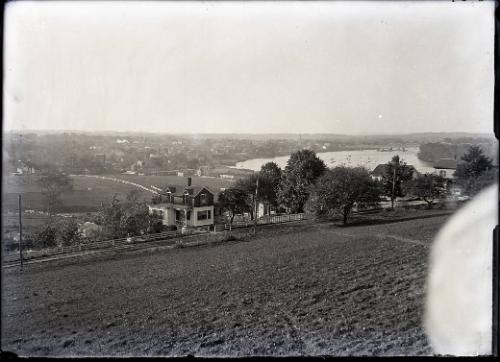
[{"x": 249, "y": 67}]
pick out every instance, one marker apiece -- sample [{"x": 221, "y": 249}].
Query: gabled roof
[
  {"x": 381, "y": 169},
  {"x": 446, "y": 163},
  {"x": 170, "y": 189},
  {"x": 180, "y": 190},
  {"x": 195, "y": 190}
]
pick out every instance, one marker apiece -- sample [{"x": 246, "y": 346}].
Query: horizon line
[{"x": 243, "y": 133}]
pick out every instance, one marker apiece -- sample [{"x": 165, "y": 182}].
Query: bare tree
[{"x": 53, "y": 186}]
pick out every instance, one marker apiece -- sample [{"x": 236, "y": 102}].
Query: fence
[
  {"x": 269, "y": 219},
  {"x": 116, "y": 243},
  {"x": 98, "y": 245}
]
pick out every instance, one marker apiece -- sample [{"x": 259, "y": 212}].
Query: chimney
[{"x": 189, "y": 181}]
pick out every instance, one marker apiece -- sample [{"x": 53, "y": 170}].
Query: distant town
[
  {"x": 158, "y": 183},
  {"x": 204, "y": 155}
]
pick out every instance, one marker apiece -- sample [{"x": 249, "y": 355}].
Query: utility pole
[
  {"x": 20, "y": 232},
  {"x": 393, "y": 186},
  {"x": 255, "y": 207}
]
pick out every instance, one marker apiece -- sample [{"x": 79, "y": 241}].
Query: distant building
[
  {"x": 185, "y": 206},
  {"x": 264, "y": 209},
  {"x": 230, "y": 173},
  {"x": 24, "y": 168},
  {"x": 138, "y": 165},
  {"x": 203, "y": 171},
  {"x": 380, "y": 172},
  {"x": 446, "y": 167},
  {"x": 186, "y": 172}
]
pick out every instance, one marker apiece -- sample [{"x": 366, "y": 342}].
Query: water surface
[{"x": 367, "y": 158}]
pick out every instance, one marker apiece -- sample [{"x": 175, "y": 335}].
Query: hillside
[
  {"x": 434, "y": 151},
  {"x": 292, "y": 290}
]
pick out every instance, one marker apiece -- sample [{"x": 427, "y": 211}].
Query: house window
[
  {"x": 188, "y": 215},
  {"x": 203, "y": 199},
  {"x": 204, "y": 215},
  {"x": 442, "y": 173}
]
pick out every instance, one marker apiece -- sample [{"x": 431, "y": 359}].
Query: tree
[
  {"x": 47, "y": 237},
  {"x": 131, "y": 217},
  {"x": 397, "y": 174},
  {"x": 248, "y": 187},
  {"x": 53, "y": 186},
  {"x": 475, "y": 171},
  {"x": 133, "y": 196},
  {"x": 340, "y": 189},
  {"x": 109, "y": 218},
  {"x": 135, "y": 218},
  {"x": 269, "y": 181},
  {"x": 428, "y": 187},
  {"x": 302, "y": 170},
  {"x": 233, "y": 201}
]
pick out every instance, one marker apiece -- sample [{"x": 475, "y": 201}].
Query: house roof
[
  {"x": 446, "y": 163},
  {"x": 381, "y": 169},
  {"x": 180, "y": 190},
  {"x": 195, "y": 190}
]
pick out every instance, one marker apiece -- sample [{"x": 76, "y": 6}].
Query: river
[{"x": 367, "y": 158}]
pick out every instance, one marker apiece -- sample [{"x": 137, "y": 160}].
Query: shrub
[
  {"x": 68, "y": 233},
  {"x": 46, "y": 238}
]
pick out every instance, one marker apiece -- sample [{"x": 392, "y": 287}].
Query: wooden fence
[
  {"x": 269, "y": 219},
  {"x": 117, "y": 243},
  {"x": 98, "y": 245}
]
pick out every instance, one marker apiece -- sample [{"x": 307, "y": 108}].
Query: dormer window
[{"x": 203, "y": 199}]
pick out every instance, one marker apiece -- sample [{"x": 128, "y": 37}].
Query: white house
[
  {"x": 191, "y": 206},
  {"x": 446, "y": 167}
]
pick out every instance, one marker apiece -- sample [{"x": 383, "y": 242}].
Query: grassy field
[
  {"x": 89, "y": 192},
  {"x": 299, "y": 289},
  {"x": 161, "y": 181}
]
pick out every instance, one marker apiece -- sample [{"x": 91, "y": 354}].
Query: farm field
[
  {"x": 89, "y": 192},
  {"x": 298, "y": 289}
]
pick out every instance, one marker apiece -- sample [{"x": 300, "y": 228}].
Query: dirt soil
[{"x": 302, "y": 289}]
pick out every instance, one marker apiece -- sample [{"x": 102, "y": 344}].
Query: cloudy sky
[{"x": 329, "y": 67}]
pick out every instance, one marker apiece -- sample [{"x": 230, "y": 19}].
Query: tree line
[{"x": 306, "y": 184}]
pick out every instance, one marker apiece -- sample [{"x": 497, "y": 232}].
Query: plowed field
[{"x": 302, "y": 289}]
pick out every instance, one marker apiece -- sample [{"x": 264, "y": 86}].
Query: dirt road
[{"x": 313, "y": 289}]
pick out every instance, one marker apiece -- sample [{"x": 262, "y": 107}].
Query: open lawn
[
  {"x": 89, "y": 192},
  {"x": 302, "y": 289}
]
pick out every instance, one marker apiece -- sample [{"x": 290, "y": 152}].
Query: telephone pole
[
  {"x": 20, "y": 232},
  {"x": 255, "y": 207},
  {"x": 393, "y": 186}
]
